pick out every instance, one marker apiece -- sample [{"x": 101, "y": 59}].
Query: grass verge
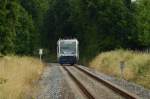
[
  {"x": 137, "y": 65},
  {"x": 19, "y": 76}
]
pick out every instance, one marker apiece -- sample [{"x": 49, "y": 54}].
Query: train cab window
[{"x": 67, "y": 47}]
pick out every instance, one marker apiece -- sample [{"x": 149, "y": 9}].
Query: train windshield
[{"x": 67, "y": 47}]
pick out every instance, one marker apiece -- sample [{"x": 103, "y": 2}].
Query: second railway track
[{"x": 74, "y": 72}]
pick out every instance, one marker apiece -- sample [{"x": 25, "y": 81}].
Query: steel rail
[
  {"x": 79, "y": 84},
  {"x": 110, "y": 85}
]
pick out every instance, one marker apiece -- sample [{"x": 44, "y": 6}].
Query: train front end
[{"x": 67, "y": 51}]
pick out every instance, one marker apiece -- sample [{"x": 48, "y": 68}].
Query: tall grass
[
  {"x": 137, "y": 65},
  {"x": 18, "y": 77}
]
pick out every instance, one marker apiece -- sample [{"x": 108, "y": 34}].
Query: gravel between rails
[
  {"x": 74, "y": 87},
  {"x": 53, "y": 84},
  {"x": 131, "y": 87},
  {"x": 98, "y": 90}
]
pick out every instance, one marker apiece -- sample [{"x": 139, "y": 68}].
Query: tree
[
  {"x": 7, "y": 28},
  {"x": 2, "y": 23},
  {"x": 26, "y": 37},
  {"x": 56, "y": 23},
  {"x": 143, "y": 17},
  {"x": 102, "y": 25},
  {"x": 17, "y": 31}
]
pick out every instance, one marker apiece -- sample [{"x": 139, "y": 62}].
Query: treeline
[
  {"x": 20, "y": 22},
  {"x": 99, "y": 25}
]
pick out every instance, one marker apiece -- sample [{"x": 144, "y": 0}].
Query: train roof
[{"x": 69, "y": 40}]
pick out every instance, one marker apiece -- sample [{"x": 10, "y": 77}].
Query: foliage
[
  {"x": 18, "y": 76},
  {"x": 136, "y": 68},
  {"x": 99, "y": 25},
  {"x": 25, "y": 33},
  {"x": 143, "y": 17}
]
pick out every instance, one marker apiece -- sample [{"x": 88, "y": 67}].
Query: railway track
[
  {"x": 80, "y": 85},
  {"x": 116, "y": 89}
]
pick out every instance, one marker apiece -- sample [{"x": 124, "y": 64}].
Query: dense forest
[{"x": 99, "y": 25}]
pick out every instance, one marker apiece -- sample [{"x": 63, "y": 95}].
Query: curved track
[
  {"x": 80, "y": 85},
  {"x": 123, "y": 93}
]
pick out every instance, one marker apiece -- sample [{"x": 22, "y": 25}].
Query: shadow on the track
[
  {"x": 57, "y": 64},
  {"x": 66, "y": 65}
]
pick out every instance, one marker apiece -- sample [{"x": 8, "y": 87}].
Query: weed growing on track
[
  {"x": 18, "y": 77},
  {"x": 137, "y": 65}
]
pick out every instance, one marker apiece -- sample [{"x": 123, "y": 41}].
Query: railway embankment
[
  {"x": 135, "y": 76},
  {"x": 19, "y": 77}
]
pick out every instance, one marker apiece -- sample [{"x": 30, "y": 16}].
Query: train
[{"x": 67, "y": 51}]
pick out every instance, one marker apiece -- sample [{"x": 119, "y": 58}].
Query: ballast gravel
[
  {"x": 98, "y": 90},
  {"x": 129, "y": 86},
  {"x": 53, "y": 85}
]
